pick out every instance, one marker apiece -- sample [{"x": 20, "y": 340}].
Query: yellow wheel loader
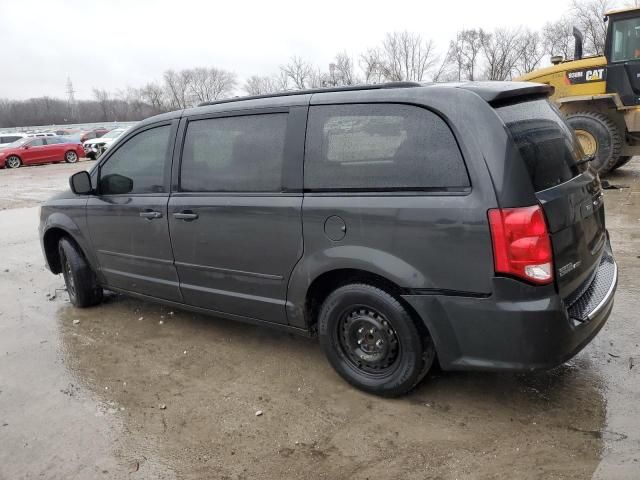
[{"x": 600, "y": 96}]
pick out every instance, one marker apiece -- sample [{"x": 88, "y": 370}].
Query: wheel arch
[
  {"x": 328, "y": 281},
  {"x": 50, "y": 241},
  {"x": 57, "y": 226}
]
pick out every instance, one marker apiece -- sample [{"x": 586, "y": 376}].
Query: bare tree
[
  {"x": 372, "y": 66},
  {"x": 208, "y": 84},
  {"x": 103, "y": 99},
  {"x": 260, "y": 85},
  {"x": 464, "y": 53},
  {"x": 500, "y": 53},
  {"x": 298, "y": 71},
  {"x": 558, "y": 39},
  {"x": 406, "y": 56},
  {"x": 177, "y": 88},
  {"x": 154, "y": 95},
  {"x": 342, "y": 70},
  {"x": 589, "y": 18},
  {"x": 530, "y": 51}
]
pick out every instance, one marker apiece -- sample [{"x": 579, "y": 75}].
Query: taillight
[{"x": 521, "y": 244}]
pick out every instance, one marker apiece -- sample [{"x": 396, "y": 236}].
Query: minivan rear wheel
[
  {"x": 82, "y": 283},
  {"x": 372, "y": 341}
]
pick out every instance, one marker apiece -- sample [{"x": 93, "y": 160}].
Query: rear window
[
  {"x": 546, "y": 143},
  {"x": 379, "y": 147}
]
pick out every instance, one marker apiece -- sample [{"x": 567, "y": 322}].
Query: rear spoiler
[{"x": 498, "y": 93}]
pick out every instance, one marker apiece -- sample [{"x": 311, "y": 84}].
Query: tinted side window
[
  {"x": 138, "y": 165},
  {"x": 9, "y": 139},
  {"x": 36, "y": 142},
  {"x": 234, "y": 154},
  {"x": 381, "y": 146},
  {"x": 53, "y": 141}
]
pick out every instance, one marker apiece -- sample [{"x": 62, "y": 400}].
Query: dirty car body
[{"x": 333, "y": 223}]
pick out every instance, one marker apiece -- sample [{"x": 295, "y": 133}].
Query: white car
[
  {"x": 41, "y": 134},
  {"x": 8, "y": 138},
  {"x": 94, "y": 147}
]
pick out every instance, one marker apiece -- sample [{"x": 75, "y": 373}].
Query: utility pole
[{"x": 71, "y": 100}]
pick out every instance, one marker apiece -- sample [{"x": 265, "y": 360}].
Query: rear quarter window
[
  {"x": 546, "y": 143},
  {"x": 381, "y": 147}
]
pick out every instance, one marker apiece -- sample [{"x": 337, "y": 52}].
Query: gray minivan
[{"x": 398, "y": 222}]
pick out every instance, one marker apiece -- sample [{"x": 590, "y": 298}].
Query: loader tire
[
  {"x": 599, "y": 136},
  {"x": 622, "y": 160}
]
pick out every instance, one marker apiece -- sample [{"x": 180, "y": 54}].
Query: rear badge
[{"x": 562, "y": 271}]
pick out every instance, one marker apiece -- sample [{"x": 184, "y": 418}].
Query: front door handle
[
  {"x": 186, "y": 215},
  {"x": 150, "y": 214}
]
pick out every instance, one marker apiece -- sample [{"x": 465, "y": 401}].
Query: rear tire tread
[
  {"x": 614, "y": 136},
  {"x": 426, "y": 347}
]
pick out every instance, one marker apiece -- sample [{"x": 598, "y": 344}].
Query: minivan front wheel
[
  {"x": 372, "y": 341},
  {"x": 81, "y": 281}
]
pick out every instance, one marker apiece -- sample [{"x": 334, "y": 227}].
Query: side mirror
[
  {"x": 80, "y": 183},
  {"x": 26, "y": 147}
]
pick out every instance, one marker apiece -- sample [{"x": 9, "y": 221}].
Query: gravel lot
[{"x": 134, "y": 390}]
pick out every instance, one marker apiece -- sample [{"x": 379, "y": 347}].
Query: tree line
[{"x": 474, "y": 54}]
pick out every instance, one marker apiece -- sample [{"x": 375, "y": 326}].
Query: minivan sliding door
[{"x": 235, "y": 223}]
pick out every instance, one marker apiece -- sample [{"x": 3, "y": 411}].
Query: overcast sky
[{"x": 113, "y": 44}]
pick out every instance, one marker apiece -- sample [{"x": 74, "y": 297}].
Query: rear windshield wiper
[{"x": 586, "y": 159}]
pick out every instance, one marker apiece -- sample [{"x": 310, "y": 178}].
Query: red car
[
  {"x": 38, "y": 150},
  {"x": 95, "y": 133}
]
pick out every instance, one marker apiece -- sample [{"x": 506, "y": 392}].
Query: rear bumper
[{"x": 519, "y": 327}]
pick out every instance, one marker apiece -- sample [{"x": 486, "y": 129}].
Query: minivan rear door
[
  {"x": 235, "y": 214},
  {"x": 567, "y": 188}
]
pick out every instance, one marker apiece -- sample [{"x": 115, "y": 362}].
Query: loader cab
[{"x": 622, "y": 49}]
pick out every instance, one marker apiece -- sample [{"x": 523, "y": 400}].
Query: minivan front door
[
  {"x": 236, "y": 230},
  {"x": 127, "y": 218}
]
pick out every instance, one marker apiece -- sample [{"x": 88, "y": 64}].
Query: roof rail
[{"x": 375, "y": 86}]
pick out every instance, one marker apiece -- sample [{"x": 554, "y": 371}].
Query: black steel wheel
[
  {"x": 81, "y": 281},
  {"x": 372, "y": 341}
]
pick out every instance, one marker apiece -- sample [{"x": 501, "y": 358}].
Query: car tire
[
  {"x": 372, "y": 341},
  {"x": 13, "y": 161},
  {"x": 598, "y": 129},
  {"x": 82, "y": 283},
  {"x": 71, "y": 157}
]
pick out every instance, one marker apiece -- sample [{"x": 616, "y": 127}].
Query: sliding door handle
[
  {"x": 150, "y": 214},
  {"x": 186, "y": 215}
]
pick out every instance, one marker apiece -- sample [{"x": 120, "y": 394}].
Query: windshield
[
  {"x": 546, "y": 143},
  {"x": 113, "y": 134},
  {"x": 20, "y": 142},
  {"x": 626, "y": 40}
]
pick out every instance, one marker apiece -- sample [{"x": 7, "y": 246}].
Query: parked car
[
  {"x": 95, "y": 133},
  {"x": 38, "y": 150},
  {"x": 8, "y": 138},
  {"x": 386, "y": 219},
  {"x": 93, "y": 148},
  {"x": 41, "y": 134}
]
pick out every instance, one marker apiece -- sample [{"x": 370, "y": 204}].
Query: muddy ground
[{"x": 135, "y": 390}]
